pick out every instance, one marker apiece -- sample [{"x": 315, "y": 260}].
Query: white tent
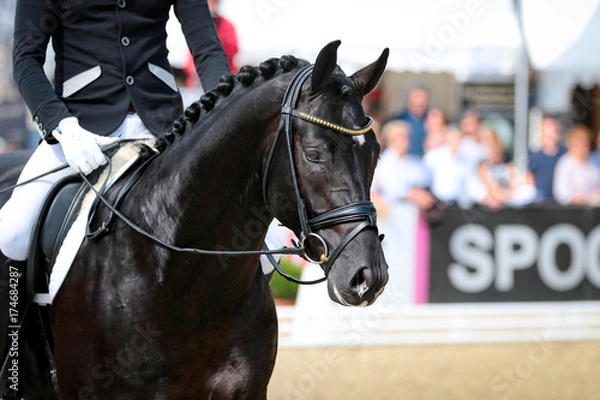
[
  {"x": 563, "y": 36},
  {"x": 563, "y": 42},
  {"x": 464, "y": 37}
]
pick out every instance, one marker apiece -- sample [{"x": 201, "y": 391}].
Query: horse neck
[{"x": 210, "y": 185}]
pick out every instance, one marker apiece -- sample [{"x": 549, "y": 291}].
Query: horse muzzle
[{"x": 358, "y": 281}]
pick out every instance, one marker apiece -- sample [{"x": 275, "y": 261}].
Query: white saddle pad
[{"x": 123, "y": 159}]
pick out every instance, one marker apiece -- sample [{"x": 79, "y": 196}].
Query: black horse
[{"x": 136, "y": 320}]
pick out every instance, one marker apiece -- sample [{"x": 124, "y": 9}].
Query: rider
[{"x": 112, "y": 81}]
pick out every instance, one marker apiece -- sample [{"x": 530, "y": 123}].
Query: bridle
[{"x": 361, "y": 211}]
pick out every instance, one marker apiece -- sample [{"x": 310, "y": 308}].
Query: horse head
[{"x": 323, "y": 191}]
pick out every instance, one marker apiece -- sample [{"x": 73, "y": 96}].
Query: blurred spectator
[
  {"x": 448, "y": 169},
  {"x": 543, "y": 162},
  {"x": 471, "y": 148},
  {"x": 576, "y": 179},
  {"x": 227, "y": 35},
  {"x": 595, "y": 156},
  {"x": 399, "y": 175},
  {"x": 501, "y": 184},
  {"x": 435, "y": 129},
  {"x": 417, "y": 103}
]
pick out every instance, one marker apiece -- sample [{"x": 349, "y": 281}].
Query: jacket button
[
  {"x": 129, "y": 80},
  {"x": 125, "y": 41},
  {"x": 121, "y": 3}
]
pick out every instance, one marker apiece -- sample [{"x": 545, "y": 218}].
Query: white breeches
[{"x": 18, "y": 215}]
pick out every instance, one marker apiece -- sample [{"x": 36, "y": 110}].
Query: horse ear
[
  {"x": 366, "y": 78},
  {"x": 324, "y": 66}
]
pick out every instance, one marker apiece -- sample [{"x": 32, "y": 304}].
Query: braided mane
[{"x": 247, "y": 75}]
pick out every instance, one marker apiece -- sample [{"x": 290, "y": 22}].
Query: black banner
[{"x": 516, "y": 255}]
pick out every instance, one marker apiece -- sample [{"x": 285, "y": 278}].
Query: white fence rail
[{"x": 439, "y": 324}]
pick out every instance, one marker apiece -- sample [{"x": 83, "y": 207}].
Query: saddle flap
[
  {"x": 60, "y": 215},
  {"x": 56, "y": 215}
]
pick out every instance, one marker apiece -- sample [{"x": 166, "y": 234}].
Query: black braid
[
  {"x": 209, "y": 99},
  {"x": 226, "y": 84},
  {"x": 192, "y": 113},
  {"x": 246, "y": 76},
  {"x": 268, "y": 68},
  {"x": 179, "y": 126},
  {"x": 288, "y": 63}
]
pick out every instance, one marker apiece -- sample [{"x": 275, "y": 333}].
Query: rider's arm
[
  {"x": 201, "y": 36},
  {"x": 34, "y": 25}
]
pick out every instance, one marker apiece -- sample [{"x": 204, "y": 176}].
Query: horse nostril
[
  {"x": 358, "y": 278},
  {"x": 361, "y": 281}
]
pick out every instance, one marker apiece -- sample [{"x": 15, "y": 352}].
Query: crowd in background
[{"x": 429, "y": 161}]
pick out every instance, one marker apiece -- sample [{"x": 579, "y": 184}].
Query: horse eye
[{"x": 312, "y": 155}]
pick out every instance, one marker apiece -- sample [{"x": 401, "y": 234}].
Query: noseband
[{"x": 361, "y": 211}]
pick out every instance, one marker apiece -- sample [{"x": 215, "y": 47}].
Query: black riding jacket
[{"x": 111, "y": 57}]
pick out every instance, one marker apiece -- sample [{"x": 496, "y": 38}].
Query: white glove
[{"x": 82, "y": 148}]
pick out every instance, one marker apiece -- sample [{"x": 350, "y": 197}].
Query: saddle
[{"x": 56, "y": 216}]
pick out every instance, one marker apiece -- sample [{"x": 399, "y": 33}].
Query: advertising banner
[{"x": 516, "y": 255}]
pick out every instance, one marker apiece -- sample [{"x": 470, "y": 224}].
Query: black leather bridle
[{"x": 362, "y": 212}]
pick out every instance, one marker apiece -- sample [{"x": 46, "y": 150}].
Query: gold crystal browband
[{"x": 330, "y": 125}]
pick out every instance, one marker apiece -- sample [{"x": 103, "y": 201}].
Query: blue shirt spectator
[
  {"x": 542, "y": 166},
  {"x": 542, "y": 163},
  {"x": 417, "y": 103}
]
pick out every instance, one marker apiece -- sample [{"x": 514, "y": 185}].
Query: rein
[
  {"x": 105, "y": 149},
  {"x": 284, "y": 250}
]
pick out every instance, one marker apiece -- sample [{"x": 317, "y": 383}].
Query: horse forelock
[{"x": 229, "y": 86}]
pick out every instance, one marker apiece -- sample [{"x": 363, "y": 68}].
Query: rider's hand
[{"x": 82, "y": 148}]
